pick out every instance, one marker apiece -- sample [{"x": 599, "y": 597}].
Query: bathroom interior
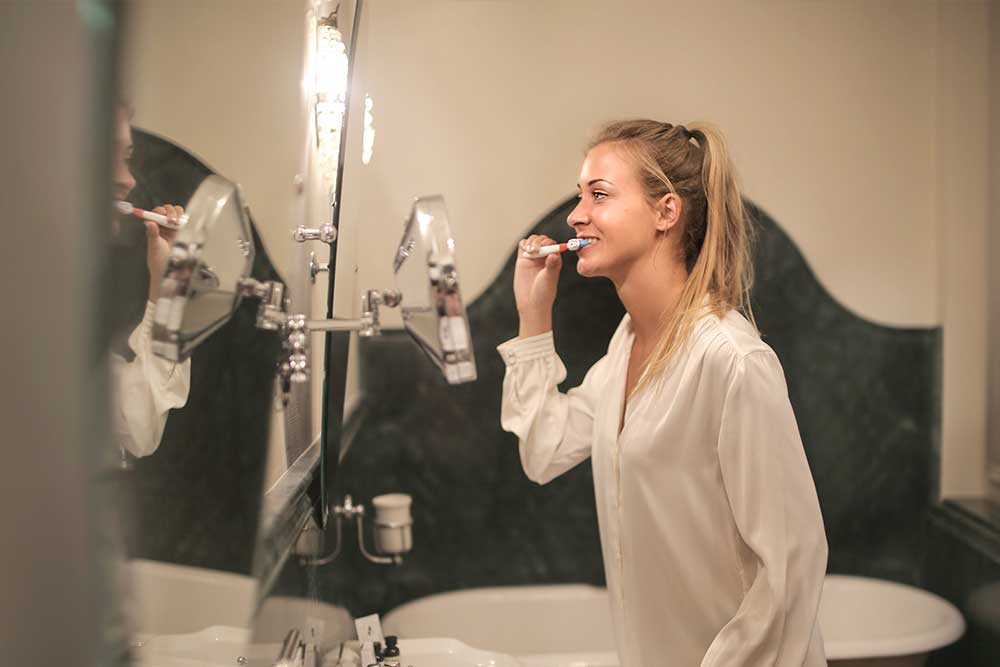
[{"x": 337, "y": 472}]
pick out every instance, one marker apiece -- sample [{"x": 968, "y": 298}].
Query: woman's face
[
  {"x": 122, "y": 179},
  {"x": 613, "y": 211}
]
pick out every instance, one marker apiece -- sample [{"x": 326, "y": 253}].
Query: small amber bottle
[{"x": 390, "y": 656}]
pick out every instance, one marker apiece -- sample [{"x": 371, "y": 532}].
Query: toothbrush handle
[
  {"x": 159, "y": 219},
  {"x": 546, "y": 250}
]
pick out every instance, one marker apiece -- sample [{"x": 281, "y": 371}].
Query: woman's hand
[
  {"x": 158, "y": 242},
  {"x": 535, "y": 284}
]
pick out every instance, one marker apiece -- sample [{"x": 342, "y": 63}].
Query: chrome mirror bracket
[
  {"x": 316, "y": 267},
  {"x": 271, "y": 312},
  {"x": 326, "y": 233},
  {"x": 273, "y": 315}
]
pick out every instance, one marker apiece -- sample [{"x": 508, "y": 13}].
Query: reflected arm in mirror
[
  {"x": 148, "y": 387},
  {"x": 159, "y": 239}
]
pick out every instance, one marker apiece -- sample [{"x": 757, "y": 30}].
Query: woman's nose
[
  {"x": 577, "y": 216},
  {"x": 124, "y": 178}
]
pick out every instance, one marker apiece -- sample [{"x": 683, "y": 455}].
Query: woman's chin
[{"x": 585, "y": 268}]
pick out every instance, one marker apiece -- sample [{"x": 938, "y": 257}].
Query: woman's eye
[{"x": 600, "y": 195}]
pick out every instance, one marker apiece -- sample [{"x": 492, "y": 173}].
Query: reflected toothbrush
[
  {"x": 572, "y": 246},
  {"x": 162, "y": 220}
]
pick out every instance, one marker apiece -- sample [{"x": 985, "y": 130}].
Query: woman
[
  {"x": 713, "y": 542},
  {"x": 146, "y": 387}
]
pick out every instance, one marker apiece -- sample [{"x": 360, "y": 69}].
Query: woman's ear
[{"x": 668, "y": 212}]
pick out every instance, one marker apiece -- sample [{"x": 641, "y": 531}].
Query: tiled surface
[{"x": 866, "y": 398}]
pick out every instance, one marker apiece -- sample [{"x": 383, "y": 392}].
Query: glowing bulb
[
  {"x": 330, "y": 89},
  {"x": 368, "y": 138}
]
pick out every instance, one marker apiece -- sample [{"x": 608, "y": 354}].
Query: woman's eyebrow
[{"x": 596, "y": 180}]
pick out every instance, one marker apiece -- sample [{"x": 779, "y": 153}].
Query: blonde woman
[{"x": 713, "y": 542}]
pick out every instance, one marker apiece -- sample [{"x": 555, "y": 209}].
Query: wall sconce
[{"x": 329, "y": 90}]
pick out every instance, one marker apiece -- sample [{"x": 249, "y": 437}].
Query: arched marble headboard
[{"x": 866, "y": 398}]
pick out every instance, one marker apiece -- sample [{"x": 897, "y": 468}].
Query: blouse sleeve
[
  {"x": 148, "y": 387},
  {"x": 554, "y": 430},
  {"x": 774, "y": 504}
]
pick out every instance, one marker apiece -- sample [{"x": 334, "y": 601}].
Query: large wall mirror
[
  {"x": 235, "y": 308},
  {"x": 229, "y": 132}
]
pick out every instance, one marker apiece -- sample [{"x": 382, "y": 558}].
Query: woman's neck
[{"x": 650, "y": 292}]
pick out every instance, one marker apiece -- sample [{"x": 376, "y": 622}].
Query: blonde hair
[{"x": 692, "y": 162}]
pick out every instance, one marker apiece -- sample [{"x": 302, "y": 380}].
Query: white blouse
[
  {"x": 713, "y": 542},
  {"x": 145, "y": 390}
]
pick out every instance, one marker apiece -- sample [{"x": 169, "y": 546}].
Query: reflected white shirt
[
  {"x": 146, "y": 389},
  {"x": 713, "y": 542}
]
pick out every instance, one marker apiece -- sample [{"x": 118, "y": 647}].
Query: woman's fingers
[
  {"x": 171, "y": 234},
  {"x": 536, "y": 241}
]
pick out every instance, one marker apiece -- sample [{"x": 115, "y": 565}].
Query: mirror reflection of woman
[
  {"x": 711, "y": 532},
  {"x": 147, "y": 387}
]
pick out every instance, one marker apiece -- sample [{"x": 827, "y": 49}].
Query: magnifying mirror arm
[
  {"x": 338, "y": 324},
  {"x": 368, "y": 324}
]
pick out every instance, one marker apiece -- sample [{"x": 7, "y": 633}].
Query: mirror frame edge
[{"x": 300, "y": 494}]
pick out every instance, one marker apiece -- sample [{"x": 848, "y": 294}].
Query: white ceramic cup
[{"x": 393, "y": 523}]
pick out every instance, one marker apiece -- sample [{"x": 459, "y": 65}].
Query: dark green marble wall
[{"x": 866, "y": 397}]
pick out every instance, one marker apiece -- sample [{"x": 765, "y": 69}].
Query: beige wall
[
  {"x": 861, "y": 127},
  {"x": 962, "y": 216}
]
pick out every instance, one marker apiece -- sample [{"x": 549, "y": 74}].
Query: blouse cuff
[
  {"x": 525, "y": 349},
  {"x": 147, "y": 316}
]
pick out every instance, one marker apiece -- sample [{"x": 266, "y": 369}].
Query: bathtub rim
[
  {"x": 946, "y": 634},
  {"x": 843, "y": 649}
]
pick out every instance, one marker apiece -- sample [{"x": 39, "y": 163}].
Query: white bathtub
[{"x": 863, "y": 621}]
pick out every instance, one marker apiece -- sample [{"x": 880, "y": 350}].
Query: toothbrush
[
  {"x": 161, "y": 220},
  {"x": 572, "y": 245}
]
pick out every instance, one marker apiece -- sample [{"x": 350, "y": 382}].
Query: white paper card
[{"x": 369, "y": 631}]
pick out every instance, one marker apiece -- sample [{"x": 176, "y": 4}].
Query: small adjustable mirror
[
  {"x": 212, "y": 254},
  {"x": 208, "y": 273},
  {"x": 427, "y": 292},
  {"x": 433, "y": 311}
]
